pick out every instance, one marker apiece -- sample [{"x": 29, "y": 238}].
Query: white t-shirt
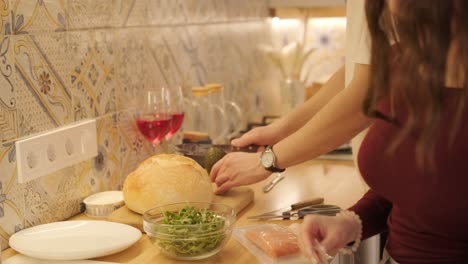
[
  {"x": 357, "y": 50},
  {"x": 357, "y": 38}
]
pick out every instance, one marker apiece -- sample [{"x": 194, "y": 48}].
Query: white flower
[{"x": 289, "y": 59}]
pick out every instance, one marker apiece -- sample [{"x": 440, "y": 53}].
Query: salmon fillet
[{"x": 275, "y": 240}]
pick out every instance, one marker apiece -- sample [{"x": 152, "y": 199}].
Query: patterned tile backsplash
[
  {"x": 93, "y": 86},
  {"x": 41, "y": 73},
  {"x": 62, "y": 61},
  {"x": 38, "y": 16}
]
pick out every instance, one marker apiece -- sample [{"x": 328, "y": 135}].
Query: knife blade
[{"x": 292, "y": 207}]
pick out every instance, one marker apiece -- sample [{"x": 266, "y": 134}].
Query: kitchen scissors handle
[
  {"x": 306, "y": 203},
  {"x": 323, "y": 209}
]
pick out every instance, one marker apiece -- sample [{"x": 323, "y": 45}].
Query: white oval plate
[{"x": 74, "y": 240}]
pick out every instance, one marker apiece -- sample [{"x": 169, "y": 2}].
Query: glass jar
[
  {"x": 201, "y": 110},
  {"x": 219, "y": 127}
]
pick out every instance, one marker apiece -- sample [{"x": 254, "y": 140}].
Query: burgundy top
[{"x": 425, "y": 212}]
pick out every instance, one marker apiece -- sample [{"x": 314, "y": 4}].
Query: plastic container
[
  {"x": 100, "y": 205},
  {"x": 240, "y": 234}
]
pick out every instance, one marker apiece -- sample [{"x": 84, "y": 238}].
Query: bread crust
[{"x": 165, "y": 179}]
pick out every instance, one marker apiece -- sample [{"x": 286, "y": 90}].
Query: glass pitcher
[
  {"x": 219, "y": 127},
  {"x": 200, "y": 109},
  {"x": 188, "y": 106},
  {"x": 208, "y": 117},
  {"x": 233, "y": 112}
]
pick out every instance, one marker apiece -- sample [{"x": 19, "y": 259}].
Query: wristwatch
[{"x": 268, "y": 160}]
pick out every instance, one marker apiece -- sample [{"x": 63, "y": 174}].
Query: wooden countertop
[{"x": 336, "y": 181}]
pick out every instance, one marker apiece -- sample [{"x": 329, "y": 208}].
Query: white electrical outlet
[{"x": 49, "y": 152}]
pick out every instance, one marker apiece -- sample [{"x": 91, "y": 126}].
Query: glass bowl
[{"x": 191, "y": 230}]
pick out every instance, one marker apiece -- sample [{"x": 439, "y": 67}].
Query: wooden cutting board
[{"x": 238, "y": 198}]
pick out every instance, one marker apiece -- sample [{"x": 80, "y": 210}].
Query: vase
[{"x": 292, "y": 94}]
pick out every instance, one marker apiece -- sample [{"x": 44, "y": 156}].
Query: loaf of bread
[{"x": 165, "y": 179}]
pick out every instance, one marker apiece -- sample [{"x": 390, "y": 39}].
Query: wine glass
[
  {"x": 176, "y": 109},
  {"x": 153, "y": 118}
]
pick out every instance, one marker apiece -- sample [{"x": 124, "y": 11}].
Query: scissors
[{"x": 323, "y": 209}]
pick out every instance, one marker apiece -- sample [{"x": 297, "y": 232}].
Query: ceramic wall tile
[
  {"x": 184, "y": 46},
  {"x": 248, "y": 40},
  {"x": 131, "y": 65},
  {"x": 104, "y": 171},
  {"x": 242, "y": 42},
  {"x": 220, "y": 10},
  {"x": 133, "y": 147},
  {"x": 168, "y": 12},
  {"x": 237, "y": 53},
  {"x": 211, "y": 11},
  {"x": 11, "y": 195},
  {"x": 33, "y": 16},
  {"x": 51, "y": 198},
  {"x": 8, "y": 102},
  {"x": 231, "y": 53},
  {"x": 248, "y": 10},
  {"x": 90, "y": 14},
  {"x": 260, "y": 71},
  {"x": 236, "y": 9},
  {"x": 162, "y": 60},
  {"x": 42, "y": 88},
  {"x": 212, "y": 51},
  {"x": 257, "y": 9},
  {"x": 8, "y": 114},
  {"x": 5, "y": 18},
  {"x": 130, "y": 12},
  {"x": 204, "y": 11},
  {"x": 92, "y": 75}
]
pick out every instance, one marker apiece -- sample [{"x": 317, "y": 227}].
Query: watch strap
[{"x": 273, "y": 167}]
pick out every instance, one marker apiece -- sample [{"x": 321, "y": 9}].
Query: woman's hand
[
  {"x": 265, "y": 135},
  {"x": 329, "y": 232},
  {"x": 236, "y": 169}
]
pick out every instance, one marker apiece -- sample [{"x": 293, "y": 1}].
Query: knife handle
[
  {"x": 249, "y": 148},
  {"x": 305, "y": 203}
]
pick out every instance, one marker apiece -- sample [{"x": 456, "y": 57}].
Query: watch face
[{"x": 267, "y": 159}]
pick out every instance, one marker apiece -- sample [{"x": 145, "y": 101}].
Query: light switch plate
[{"x": 54, "y": 150}]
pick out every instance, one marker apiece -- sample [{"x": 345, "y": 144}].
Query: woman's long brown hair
[{"x": 424, "y": 30}]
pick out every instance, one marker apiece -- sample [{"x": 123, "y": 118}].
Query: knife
[
  {"x": 292, "y": 207},
  {"x": 200, "y": 148}
]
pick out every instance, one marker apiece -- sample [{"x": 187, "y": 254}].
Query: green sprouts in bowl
[{"x": 190, "y": 230}]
